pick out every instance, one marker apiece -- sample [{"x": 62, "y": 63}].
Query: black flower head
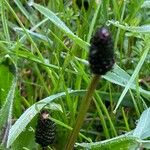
[
  {"x": 45, "y": 129},
  {"x": 101, "y": 56}
]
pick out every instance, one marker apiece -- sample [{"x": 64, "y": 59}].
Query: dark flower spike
[
  {"x": 101, "y": 56},
  {"x": 45, "y": 129}
]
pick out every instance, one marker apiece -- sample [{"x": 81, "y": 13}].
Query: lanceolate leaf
[
  {"x": 124, "y": 142},
  {"x": 120, "y": 77},
  {"x": 141, "y": 29},
  {"x": 7, "y": 108}
]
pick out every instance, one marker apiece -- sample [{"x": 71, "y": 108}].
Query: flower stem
[{"x": 82, "y": 112}]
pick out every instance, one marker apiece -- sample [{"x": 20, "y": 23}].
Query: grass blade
[
  {"x": 34, "y": 34},
  {"x": 61, "y": 25},
  {"x": 22, "y": 9},
  {"x": 135, "y": 73},
  {"x": 145, "y": 29},
  {"x": 93, "y": 22}
]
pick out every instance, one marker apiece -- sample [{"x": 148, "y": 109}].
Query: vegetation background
[{"x": 44, "y": 63}]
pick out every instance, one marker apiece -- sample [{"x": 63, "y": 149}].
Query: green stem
[
  {"x": 121, "y": 19},
  {"x": 82, "y": 112},
  {"x": 93, "y": 22},
  {"x": 125, "y": 120},
  {"x": 135, "y": 104}
]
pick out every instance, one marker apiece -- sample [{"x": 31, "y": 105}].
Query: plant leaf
[
  {"x": 146, "y": 4},
  {"x": 55, "y": 106},
  {"x": 141, "y": 29},
  {"x": 142, "y": 129},
  {"x": 135, "y": 73},
  {"x": 120, "y": 77},
  {"x": 7, "y": 108},
  {"x": 34, "y": 34},
  {"x": 22, "y": 9},
  {"x": 61, "y": 25},
  {"x": 123, "y": 142}
]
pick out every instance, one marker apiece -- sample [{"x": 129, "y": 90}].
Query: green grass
[{"x": 44, "y": 63}]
